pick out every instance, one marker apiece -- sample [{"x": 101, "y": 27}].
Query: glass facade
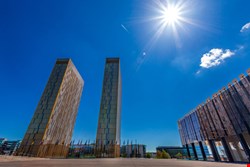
[
  {"x": 133, "y": 150},
  {"x": 173, "y": 150},
  {"x": 50, "y": 130},
  {"x": 108, "y": 130},
  {"x": 221, "y": 125},
  {"x": 208, "y": 151}
]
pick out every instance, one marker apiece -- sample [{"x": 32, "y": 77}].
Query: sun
[
  {"x": 171, "y": 15},
  {"x": 169, "y": 21}
]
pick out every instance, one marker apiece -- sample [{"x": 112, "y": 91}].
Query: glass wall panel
[
  {"x": 247, "y": 139},
  {"x": 196, "y": 126},
  {"x": 219, "y": 129},
  {"x": 191, "y": 151},
  {"x": 198, "y": 151},
  {"x": 243, "y": 94},
  {"x": 210, "y": 121},
  {"x": 224, "y": 119},
  {"x": 242, "y": 110},
  {"x": 221, "y": 151},
  {"x": 201, "y": 119},
  {"x": 233, "y": 112},
  {"x": 208, "y": 151},
  {"x": 236, "y": 149}
]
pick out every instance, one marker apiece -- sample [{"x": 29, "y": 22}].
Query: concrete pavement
[{"x": 119, "y": 162}]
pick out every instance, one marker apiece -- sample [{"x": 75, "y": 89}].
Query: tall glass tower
[
  {"x": 50, "y": 130},
  {"x": 108, "y": 130}
]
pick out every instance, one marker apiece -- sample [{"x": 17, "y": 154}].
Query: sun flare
[{"x": 171, "y": 15}]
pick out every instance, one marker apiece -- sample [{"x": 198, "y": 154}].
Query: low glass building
[
  {"x": 9, "y": 147},
  {"x": 173, "y": 150},
  {"x": 81, "y": 150},
  {"x": 219, "y": 129},
  {"x": 133, "y": 151}
]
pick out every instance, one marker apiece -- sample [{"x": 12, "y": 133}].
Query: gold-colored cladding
[
  {"x": 220, "y": 91},
  {"x": 110, "y": 146},
  {"x": 241, "y": 76},
  {"x": 248, "y": 71},
  {"x": 235, "y": 81},
  {"x": 57, "y": 131}
]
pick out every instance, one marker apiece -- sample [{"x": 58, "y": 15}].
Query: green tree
[
  {"x": 178, "y": 155},
  {"x": 165, "y": 155},
  {"x": 148, "y": 155},
  {"x": 158, "y": 154}
]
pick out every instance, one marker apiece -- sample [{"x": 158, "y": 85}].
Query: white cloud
[
  {"x": 245, "y": 27},
  {"x": 214, "y": 57}
]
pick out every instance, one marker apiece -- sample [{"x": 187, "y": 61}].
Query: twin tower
[{"x": 50, "y": 130}]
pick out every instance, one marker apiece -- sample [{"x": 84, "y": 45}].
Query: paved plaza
[{"x": 119, "y": 162}]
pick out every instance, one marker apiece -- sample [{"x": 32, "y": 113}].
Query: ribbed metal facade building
[
  {"x": 108, "y": 130},
  {"x": 50, "y": 130},
  {"x": 219, "y": 129}
]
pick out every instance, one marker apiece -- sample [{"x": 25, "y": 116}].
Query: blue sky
[{"x": 164, "y": 75}]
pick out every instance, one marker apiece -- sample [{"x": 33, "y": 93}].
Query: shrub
[
  {"x": 165, "y": 155},
  {"x": 179, "y": 155},
  {"x": 158, "y": 154},
  {"x": 148, "y": 155}
]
